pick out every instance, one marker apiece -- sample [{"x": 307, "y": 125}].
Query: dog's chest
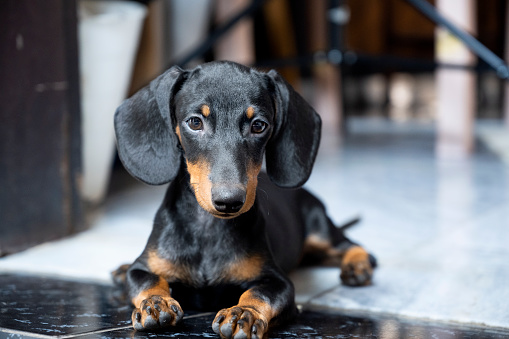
[
  {"x": 203, "y": 271},
  {"x": 201, "y": 260}
]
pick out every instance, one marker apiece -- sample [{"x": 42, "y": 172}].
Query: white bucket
[{"x": 109, "y": 33}]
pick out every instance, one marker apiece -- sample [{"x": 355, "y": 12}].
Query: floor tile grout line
[
  {"x": 305, "y": 305},
  {"x": 95, "y": 332},
  {"x": 199, "y": 315},
  {"x": 25, "y": 333}
]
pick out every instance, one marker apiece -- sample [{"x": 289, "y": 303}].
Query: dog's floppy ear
[
  {"x": 292, "y": 149},
  {"x": 146, "y": 140}
]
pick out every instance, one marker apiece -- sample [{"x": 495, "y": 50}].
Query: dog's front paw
[
  {"x": 357, "y": 267},
  {"x": 240, "y": 322},
  {"x": 156, "y": 312}
]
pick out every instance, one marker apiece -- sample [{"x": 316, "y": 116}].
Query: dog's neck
[{"x": 182, "y": 223}]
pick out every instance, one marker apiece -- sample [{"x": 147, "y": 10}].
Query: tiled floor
[
  {"x": 34, "y": 307},
  {"x": 439, "y": 229}
]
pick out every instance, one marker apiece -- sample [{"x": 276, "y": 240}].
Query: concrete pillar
[{"x": 456, "y": 95}]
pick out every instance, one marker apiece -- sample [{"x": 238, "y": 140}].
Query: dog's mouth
[
  {"x": 222, "y": 215},
  {"x": 222, "y": 212}
]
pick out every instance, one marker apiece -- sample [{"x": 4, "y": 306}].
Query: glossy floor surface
[
  {"x": 34, "y": 307},
  {"x": 439, "y": 229}
]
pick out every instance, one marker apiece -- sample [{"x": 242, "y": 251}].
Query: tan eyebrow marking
[
  {"x": 250, "y": 112},
  {"x": 205, "y": 110}
]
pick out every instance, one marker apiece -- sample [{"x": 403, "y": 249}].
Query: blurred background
[
  {"x": 66, "y": 65},
  {"x": 415, "y": 136}
]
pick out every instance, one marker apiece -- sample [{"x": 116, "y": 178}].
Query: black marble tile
[
  {"x": 332, "y": 324},
  {"x": 326, "y": 324},
  {"x": 194, "y": 326},
  {"x": 57, "y": 307},
  {"x": 35, "y": 307}
]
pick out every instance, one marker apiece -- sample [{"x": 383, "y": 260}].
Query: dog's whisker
[{"x": 265, "y": 192}]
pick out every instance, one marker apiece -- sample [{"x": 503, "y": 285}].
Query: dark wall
[{"x": 39, "y": 122}]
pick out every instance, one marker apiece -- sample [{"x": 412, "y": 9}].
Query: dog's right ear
[{"x": 146, "y": 140}]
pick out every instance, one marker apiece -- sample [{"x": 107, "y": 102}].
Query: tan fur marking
[
  {"x": 252, "y": 183},
  {"x": 166, "y": 269},
  {"x": 205, "y": 110},
  {"x": 245, "y": 269},
  {"x": 248, "y": 299},
  {"x": 356, "y": 269},
  {"x": 161, "y": 288},
  {"x": 201, "y": 184},
  {"x": 314, "y": 244},
  {"x": 250, "y": 112},
  {"x": 177, "y": 131},
  {"x": 355, "y": 254},
  {"x": 254, "y": 312}
]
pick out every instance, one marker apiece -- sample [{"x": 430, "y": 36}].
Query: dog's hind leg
[
  {"x": 119, "y": 276},
  {"x": 327, "y": 245},
  {"x": 356, "y": 263}
]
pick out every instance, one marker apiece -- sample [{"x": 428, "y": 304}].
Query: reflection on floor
[
  {"x": 34, "y": 307},
  {"x": 439, "y": 229}
]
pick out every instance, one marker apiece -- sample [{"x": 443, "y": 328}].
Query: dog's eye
[
  {"x": 258, "y": 126},
  {"x": 195, "y": 124}
]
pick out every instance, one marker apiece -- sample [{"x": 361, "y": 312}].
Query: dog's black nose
[{"x": 227, "y": 200}]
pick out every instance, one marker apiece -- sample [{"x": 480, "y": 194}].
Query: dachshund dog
[{"x": 226, "y": 234}]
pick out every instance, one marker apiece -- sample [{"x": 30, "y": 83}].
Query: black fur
[{"x": 205, "y": 228}]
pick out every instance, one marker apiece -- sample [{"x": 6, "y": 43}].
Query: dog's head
[{"x": 220, "y": 118}]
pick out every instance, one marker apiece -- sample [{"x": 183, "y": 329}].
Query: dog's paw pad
[
  {"x": 240, "y": 322},
  {"x": 155, "y": 313},
  {"x": 357, "y": 267}
]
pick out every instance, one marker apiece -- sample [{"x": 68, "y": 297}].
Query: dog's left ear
[{"x": 291, "y": 151}]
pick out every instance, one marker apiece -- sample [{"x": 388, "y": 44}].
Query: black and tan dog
[{"x": 225, "y": 235}]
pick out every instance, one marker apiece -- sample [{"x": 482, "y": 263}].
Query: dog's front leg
[
  {"x": 154, "y": 306},
  {"x": 250, "y": 318}
]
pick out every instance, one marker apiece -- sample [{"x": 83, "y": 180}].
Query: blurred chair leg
[
  {"x": 456, "y": 97},
  {"x": 281, "y": 36},
  {"x": 327, "y": 77},
  {"x": 238, "y": 44},
  {"x": 150, "y": 59}
]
